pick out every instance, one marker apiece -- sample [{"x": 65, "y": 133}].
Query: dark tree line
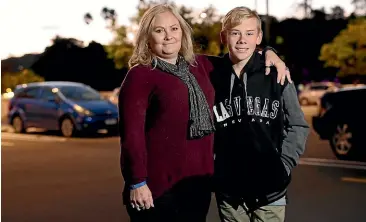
[
  {"x": 69, "y": 60},
  {"x": 298, "y": 41}
]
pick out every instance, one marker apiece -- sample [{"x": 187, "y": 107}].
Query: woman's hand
[
  {"x": 282, "y": 70},
  {"x": 141, "y": 198}
]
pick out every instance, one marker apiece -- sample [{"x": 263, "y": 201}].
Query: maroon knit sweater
[{"x": 154, "y": 115}]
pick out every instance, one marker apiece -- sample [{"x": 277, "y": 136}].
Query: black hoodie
[{"x": 256, "y": 146}]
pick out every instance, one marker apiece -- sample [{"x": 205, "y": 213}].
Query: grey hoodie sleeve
[{"x": 296, "y": 129}]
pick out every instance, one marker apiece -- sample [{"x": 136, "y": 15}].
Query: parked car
[
  {"x": 342, "y": 121},
  {"x": 65, "y": 106},
  {"x": 312, "y": 92},
  {"x": 114, "y": 96},
  {"x": 352, "y": 85}
]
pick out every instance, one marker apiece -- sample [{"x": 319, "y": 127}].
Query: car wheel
[
  {"x": 342, "y": 142},
  {"x": 18, "y": 125},
  {"x": 304, "y": 102},
  {"x": 67, "y": 128}
]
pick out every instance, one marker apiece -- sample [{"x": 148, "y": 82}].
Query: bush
[
  {"x": 347, "y": 50},
  {"x": 10, "y": 80}
]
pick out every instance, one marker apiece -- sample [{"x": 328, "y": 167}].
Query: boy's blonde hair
[
  {"x": 142, "y": 54},
  {"x": 235, "y": 16}
]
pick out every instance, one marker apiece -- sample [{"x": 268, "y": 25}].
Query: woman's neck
[{"x": 170, "y": 60}]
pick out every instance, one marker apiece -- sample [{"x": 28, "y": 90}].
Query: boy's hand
[{"x": 282, "y": 70}]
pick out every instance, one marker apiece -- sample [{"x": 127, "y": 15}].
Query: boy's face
[{"x": 242, "y": 40}]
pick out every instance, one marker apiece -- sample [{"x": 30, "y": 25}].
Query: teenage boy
[{"x": 261, "y": 130}]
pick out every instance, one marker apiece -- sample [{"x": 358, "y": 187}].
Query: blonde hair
[
  {"x": 142, "y": 54},
  {"x": 235, "y": 16}
]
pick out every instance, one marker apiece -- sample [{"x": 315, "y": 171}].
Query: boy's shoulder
[
  {"x": 216, "y": 61},
  {"x": 203, "y": 57},
  {"x": 210, "y": 62}
]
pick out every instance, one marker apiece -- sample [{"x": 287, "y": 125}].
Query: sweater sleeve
[
  {"x": 296, "y": 130},
  {"x": 133, "y": 102}
]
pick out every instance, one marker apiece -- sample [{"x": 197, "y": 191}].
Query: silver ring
[{"x": 287, "y": 68}]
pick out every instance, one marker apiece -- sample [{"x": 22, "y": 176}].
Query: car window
[
  {"x": 47, "y": 94},
  {"x": 319, "y": 87},
  {"x": 80, "y": 93},
  {"x": 29, "y": 93}
]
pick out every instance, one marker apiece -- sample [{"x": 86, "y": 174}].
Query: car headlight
[{"x": 82, "y": 110}]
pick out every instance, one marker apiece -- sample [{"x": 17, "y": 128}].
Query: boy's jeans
[{"x": 236, "y": 212}]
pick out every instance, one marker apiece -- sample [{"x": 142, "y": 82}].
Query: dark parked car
[
  {"x": 65, "y": 106},
  {"x": 342, "y": 121}
]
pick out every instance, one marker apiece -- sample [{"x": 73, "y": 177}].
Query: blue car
[{"x": 68, "y": 107}]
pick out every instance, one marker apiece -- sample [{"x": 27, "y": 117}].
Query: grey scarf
[{"x": 201, "y": 122}]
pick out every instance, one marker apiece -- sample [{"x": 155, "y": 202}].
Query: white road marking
[
  {"x": 32, "y": 138},
  {"x": 6, "y": 143},
  {"x": 333, "y": 163}
]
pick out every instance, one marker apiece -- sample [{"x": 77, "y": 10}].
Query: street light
[{"x": 267, "y": 23}]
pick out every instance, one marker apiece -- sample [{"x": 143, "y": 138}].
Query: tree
[
  {"x": 360, "y": 6},
  {"x": 187, "y": 14},
  {"x": 206, "y": 31},
  {"x": 347, "y": 50},
  {"x": 319, "y": 14},
  {"x": 88, "y": 18},
  {"x": 120, "y": 49},
  {"x": 70, "y": 60},
  {"x": 10, "y": 80},
  {"x": 337, "y": 13},
  {"x": 306, "y": 6},
  {"x": 144, "y": 5},
  {"x": 110, "y": 16}
]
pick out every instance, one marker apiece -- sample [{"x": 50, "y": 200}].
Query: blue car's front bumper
[{"x": 95, "y": 123}]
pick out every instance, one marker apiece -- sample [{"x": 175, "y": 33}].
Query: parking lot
[{"x": 50, "y": 178}]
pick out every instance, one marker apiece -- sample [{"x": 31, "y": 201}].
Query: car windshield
[{"x": 80, "y": 93}]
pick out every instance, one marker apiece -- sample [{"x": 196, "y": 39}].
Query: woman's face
[{"x": 166, "y": 38}]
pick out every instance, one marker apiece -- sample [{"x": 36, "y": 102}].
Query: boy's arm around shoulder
[{"x": 296, "y": 129}]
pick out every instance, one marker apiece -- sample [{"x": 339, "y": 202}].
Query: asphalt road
[{"x": 49, "y": 178}]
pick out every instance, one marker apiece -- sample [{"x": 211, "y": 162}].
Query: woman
[{"x": 166, "y": 123}]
